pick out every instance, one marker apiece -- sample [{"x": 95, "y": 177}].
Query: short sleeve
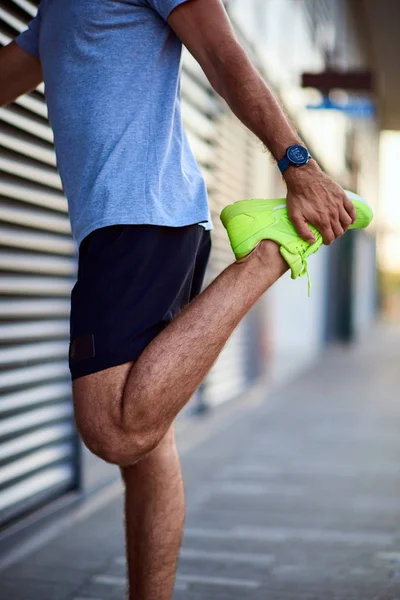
[
  {"x": 165, "y": 7},
  {"x": 28, "y": 40}
]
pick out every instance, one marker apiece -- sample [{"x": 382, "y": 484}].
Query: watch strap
[{"x": 283, "y": 164}]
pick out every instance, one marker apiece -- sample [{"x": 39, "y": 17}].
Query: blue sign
[{"x": 359, "y": 108}]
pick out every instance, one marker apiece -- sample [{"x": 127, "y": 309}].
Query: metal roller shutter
[
  {"x": 202, "y": 113},
  {"x": 237, "y": 176},
  {"x": 230, "y": 158},
  {"x": 38, "y": 449}
]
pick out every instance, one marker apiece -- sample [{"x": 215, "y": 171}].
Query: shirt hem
[{"x": 25, "y": 46}]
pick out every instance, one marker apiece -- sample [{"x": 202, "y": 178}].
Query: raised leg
[{"x": 124, "y": 412}]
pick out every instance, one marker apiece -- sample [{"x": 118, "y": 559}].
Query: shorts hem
[{"x": 94, "y": 365}]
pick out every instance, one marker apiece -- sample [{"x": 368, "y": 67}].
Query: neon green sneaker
[{"x": 250, "y": 221}]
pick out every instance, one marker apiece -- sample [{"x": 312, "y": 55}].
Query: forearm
[
  {"x": 241, "y": 86},
  {"x": 19, "y": 73},
  {"x": 312, "y": 197}
]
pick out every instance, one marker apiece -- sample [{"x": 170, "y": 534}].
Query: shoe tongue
[{"x": 293, "y": 260}]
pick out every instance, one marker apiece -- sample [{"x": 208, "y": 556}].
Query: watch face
[{"x": 298, "y": 155}]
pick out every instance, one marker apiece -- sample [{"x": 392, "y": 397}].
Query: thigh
[{"x": 97, "y": 399}]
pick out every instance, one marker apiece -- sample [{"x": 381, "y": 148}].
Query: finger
[
  {"x": 350, "y": 209},
  {"x": 337, "y": 229},
  {"x": 303, "y": 229},
  {"x": 325, "y": 229},
  {"x": 345, "y": 219},
  {"x": 328, "y": 236}
]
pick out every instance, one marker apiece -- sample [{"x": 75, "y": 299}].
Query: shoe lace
[{"x": 301, "y": 250}]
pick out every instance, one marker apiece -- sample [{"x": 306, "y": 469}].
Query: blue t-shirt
[{"x": 112, "y": 79}]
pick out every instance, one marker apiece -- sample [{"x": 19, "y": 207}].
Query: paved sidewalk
[{"x": 295, "y": 498}]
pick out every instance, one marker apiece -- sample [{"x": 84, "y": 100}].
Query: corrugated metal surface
[
  {"x": 230, "y": 158},
  {"x": 37, "y": 269},
  {"x": 228, "y": 376},
  {"x": 205, "y": 120}
]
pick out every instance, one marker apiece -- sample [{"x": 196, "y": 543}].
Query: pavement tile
[
  {"x": 44, "y": 573},
  {"x": 35, "y": 590}
]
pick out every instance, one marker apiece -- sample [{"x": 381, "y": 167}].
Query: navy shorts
[{"x": 132, "y": 281}]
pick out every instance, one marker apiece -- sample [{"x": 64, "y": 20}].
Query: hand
[{"x": 313, "y": 197}]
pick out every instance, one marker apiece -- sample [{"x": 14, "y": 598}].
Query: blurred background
[{"x": 334, "y": 66}]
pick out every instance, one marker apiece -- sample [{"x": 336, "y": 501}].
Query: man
[{"x": 138, "y": 210}]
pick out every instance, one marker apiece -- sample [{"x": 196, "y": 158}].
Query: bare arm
[
  {"x": 19, "y": 73},
  {"x": 204, "y": 28}
]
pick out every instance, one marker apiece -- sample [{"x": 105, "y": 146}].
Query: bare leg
[
  {"x": 155, "y": 512},
  {"x": 124, "y": 412}
]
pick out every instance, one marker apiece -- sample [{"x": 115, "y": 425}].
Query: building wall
[
  {"x": 292, "y": 37},
  {"x": 38, "y": 258},
  {"x": 365, "y": 283},
  {"x": 296, "y": 320}
]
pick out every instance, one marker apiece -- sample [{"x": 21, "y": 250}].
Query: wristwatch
[{"x": 295, "y": 155}]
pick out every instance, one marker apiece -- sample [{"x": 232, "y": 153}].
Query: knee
[
  {"x": 166, "y": 447},
  {"x": 114, "y": 445},
  {"x": 163, "y": 459},
  {"x": 101, "y": 425}
]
